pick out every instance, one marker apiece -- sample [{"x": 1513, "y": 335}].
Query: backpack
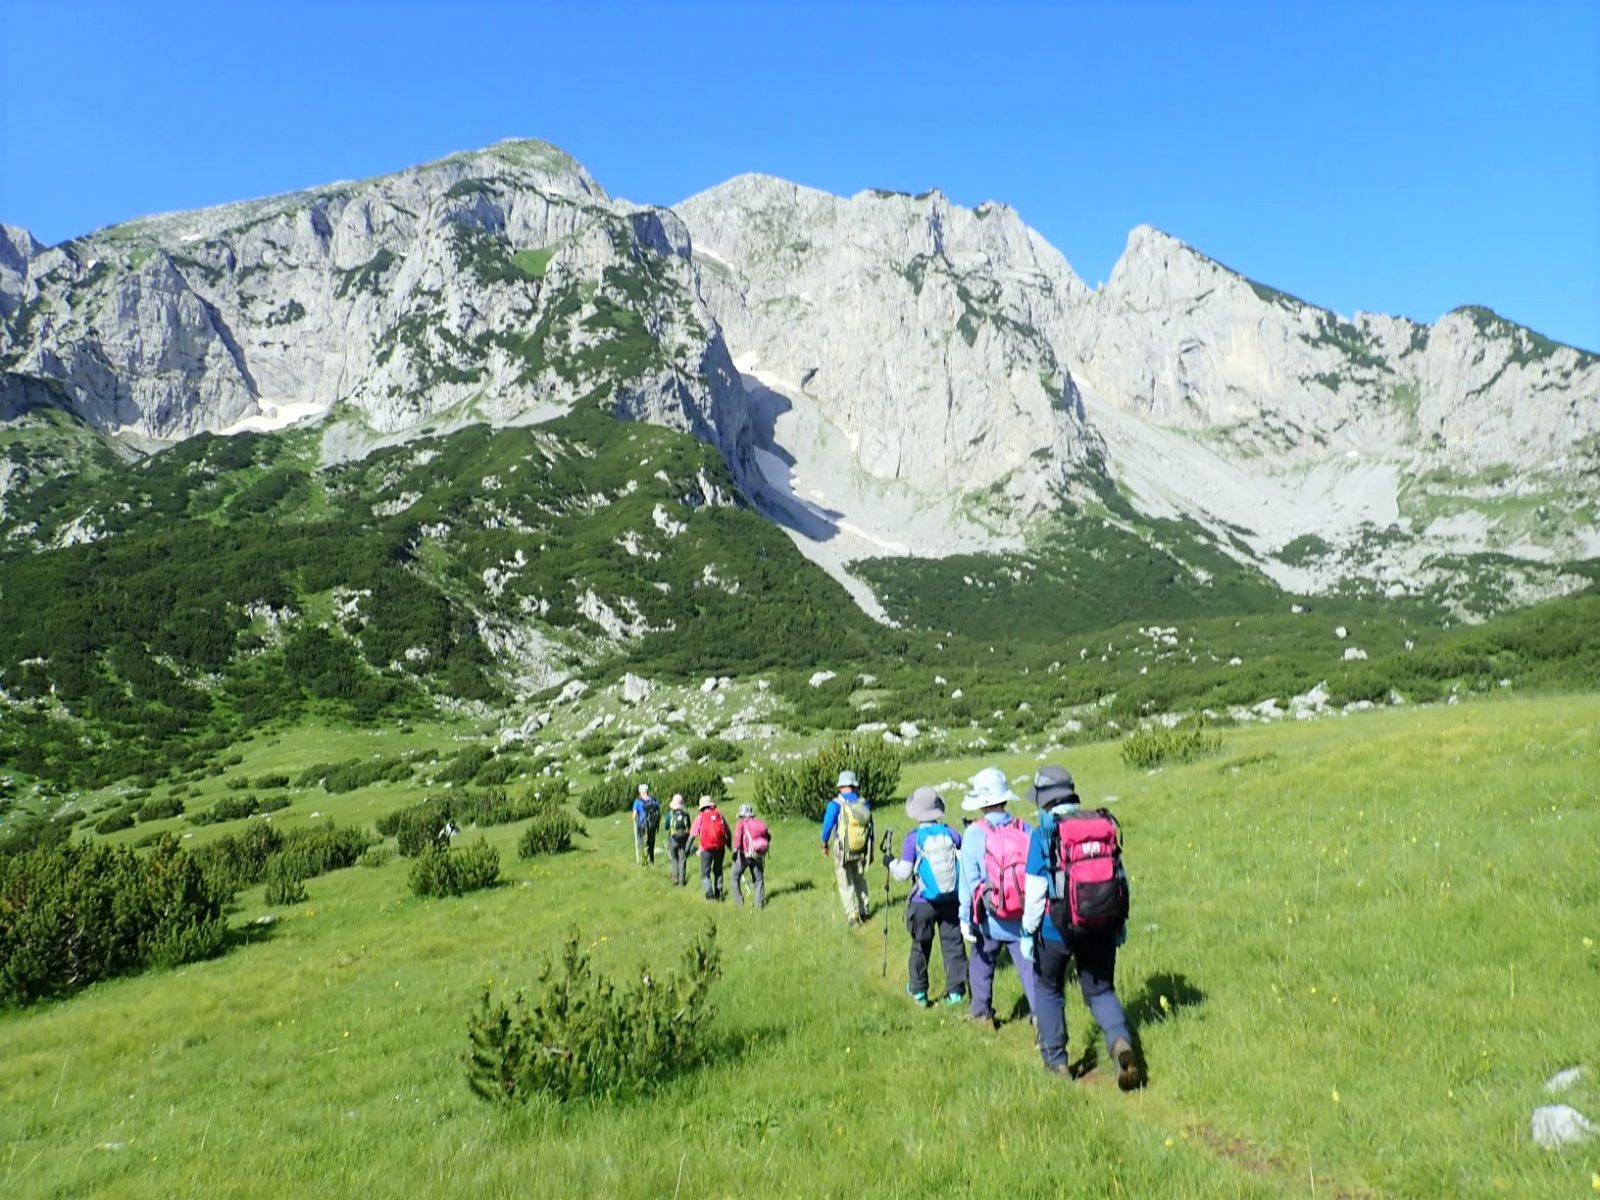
[
  {"x": 713, "y": 830},
  {"x": 1089, "y": 892},
  {"x": 678, "y": 823},
  {"x": 1005, "y": 863},
  {"x": 757, "y": 838},
  {"x": 937, "y": 869},
  {"x": 652, "y": 812},
  {"x": 854, "y": 831}
]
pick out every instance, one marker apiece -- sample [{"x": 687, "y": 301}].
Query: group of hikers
[
  {"x": 749, "y": 840},
  {"x": 1046, "y": 895}
]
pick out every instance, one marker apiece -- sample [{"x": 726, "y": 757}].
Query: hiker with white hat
[
  {"x": 751, "y": 841},
  {"x": 710, "y": 833},
  {"x": 646, "y": 820},
  {"x": 847, "y": 836},
  {"x": 931, "y": 854},
  {"x": 678, "y": 825},
  {"x": 1076, "y": 908},
  {"x": 994, "y": 862}
]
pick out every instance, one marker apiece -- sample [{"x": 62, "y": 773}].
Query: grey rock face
[{"x": 502, "y": 283}]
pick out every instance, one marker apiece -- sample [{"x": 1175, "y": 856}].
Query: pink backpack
[
  {"x": 1089, "y": 891},
  {"x": 757, "y": 840},
  {"x": 1005, "y": 863}
]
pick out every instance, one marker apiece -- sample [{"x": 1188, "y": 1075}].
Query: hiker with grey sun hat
[
  {"x": 751, "y": 841},
  {"x": 847, "y": 837},
  {"x": 1076, "y": 907},
  {"x": 931, "y": 855},
  {"x": 994, "y": 860}
]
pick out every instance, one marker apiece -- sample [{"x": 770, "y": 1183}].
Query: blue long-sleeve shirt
[
  {"x": 973, "y": 873},
  {"x": 830, "y": 815},
  {"x": 1041, "y": 879}
]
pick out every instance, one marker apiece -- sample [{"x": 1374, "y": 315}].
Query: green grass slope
[{"x": 1374, "y": 936}]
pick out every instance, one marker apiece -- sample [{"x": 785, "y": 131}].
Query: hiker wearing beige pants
[{"x": 847, "y": 837}]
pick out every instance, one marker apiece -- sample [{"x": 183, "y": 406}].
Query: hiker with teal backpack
[
  {"x": 931, "y": 855},
  {"x": 847, "y": 837},
  {"x": 994, "y": 863},
  {"x": 678, "y": 824},
  {"x": 751, "y": 841},
  {"x": 646, "y": 820},
  {"x": 1076, "y": 908}
]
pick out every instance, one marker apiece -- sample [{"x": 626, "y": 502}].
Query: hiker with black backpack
[
  {"x": 646, "y": 820},
  {"x": 994, "y": 864},
  {"x": 678, "y": 825},
  {"x": 751, "y": 841},
  {"x": 1076, "y": 908},
  {"x": 931, "y": 855},
  {"x": 847, "y": 837},
  {"x": 710, "y": 833}
]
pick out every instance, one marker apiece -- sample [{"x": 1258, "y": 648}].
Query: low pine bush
[
  {"x": 318, "y": 849},
  {"x": 74, "y": 913},
  {"x": 549, "y": 833},
  {"x": 284, "y": 884},
  {"x": 440, "y": 871},
  {"x": 158, "y": 808},
  {"x": 582, "y": 1035},
  {"x": 803, "y": 788},
  {"x": 376, "y": 856},
  {"x": 717, "y": 750},
  {"x": 112, "y": 822},
  {"x": 616, "y": 795},
  {"x": 269, "y": 782},
  {"x": 1156, "y": 746},
  {"x": 229, "y": 808}
]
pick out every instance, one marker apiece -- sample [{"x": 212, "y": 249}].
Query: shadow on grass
[
  {"x": 1163, "y": 996},
  {"x": 790, "y": 888},
  {"x": 252, "y": 933}
]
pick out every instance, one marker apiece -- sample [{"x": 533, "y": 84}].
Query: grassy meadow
[{"x": 1359, "y": 947}]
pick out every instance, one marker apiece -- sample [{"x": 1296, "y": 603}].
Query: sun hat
[
  {"x": 747, "y": 810},
  {"x": 987, "y": 789},
  {"x": 1053, "y": 785},
  {"x": 707, "y": 802},
  {"x": 848, "y": 779},
  {"x": 643, "y": 787},
  {"x": 925, "y": 804},
  {"x": 677, "y": 802}
]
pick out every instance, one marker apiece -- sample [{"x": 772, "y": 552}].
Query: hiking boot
[
  {"x": 953, "y": 999},
  {"x": 918, "y": 998},
  {"x": 1060, "y": 1068},
  {"x": 1128, "y": 1074}
]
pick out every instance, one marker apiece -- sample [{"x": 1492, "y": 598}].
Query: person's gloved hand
[
  {"x": 967, "y": 935},
  {"x": 1027, "y": 946}
]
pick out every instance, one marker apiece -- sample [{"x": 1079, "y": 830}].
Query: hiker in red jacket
[
  {"x": 751, "y": 840},
  {"x": 710, "y": 832}
]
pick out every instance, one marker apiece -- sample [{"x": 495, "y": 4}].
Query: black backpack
[{"x": 652, "y": 812}]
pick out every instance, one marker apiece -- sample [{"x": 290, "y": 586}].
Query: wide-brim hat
[
  {"x": 925, "y": 804},
  {"x": 707, "y": 802},
  {"x": 848, "y": 779},
  {"x": 747, "y": 810},
  {"x": 1053, "y": 785},
  {"x": 677, "y": 802},
  {"x": 986, "y": 789}
]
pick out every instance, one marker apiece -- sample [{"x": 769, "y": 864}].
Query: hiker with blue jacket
[
  {"x": 1076, "y": 908},
  {"x": 931, "y": 854},
  {"x": 994, "y": 860},
  {"x": 847, "y": 837},
  {"x": 646, "y": 820}
]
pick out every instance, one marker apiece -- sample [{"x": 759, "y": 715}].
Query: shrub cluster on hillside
[
  {"x": 74, "y": 913},
  {"x": 1157, "y": 746},
  {"x": 442, "y": 871},
  {"x": 582, "y": 1035},
  {"x": 617, "y": 795},
  {"x": 803, "y": 788}
]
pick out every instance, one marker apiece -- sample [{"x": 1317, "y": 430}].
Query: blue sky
[{"x": 1398, "y": 157}]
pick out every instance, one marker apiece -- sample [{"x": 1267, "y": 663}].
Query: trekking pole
[
  {"x": 636, "y": 842},
  {"x": 883, "y": 853}
]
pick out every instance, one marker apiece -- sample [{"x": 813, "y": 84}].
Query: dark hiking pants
[
  {"x": 1097, "y": 969},
  {"x": 711, "y": 873},
  {"x": 678, "y": 853},
  {"x": 923, "y": 920},
  {"x": 757, "y": 869}
]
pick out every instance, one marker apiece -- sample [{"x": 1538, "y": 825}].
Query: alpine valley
[{"x": 477, "y": 435}]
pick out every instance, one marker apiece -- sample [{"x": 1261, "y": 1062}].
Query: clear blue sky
[{"x": 1398, "y": 157}]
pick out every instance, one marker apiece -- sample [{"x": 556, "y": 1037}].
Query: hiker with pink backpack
[
  {"x": 751, "y": 841},
  {"x": 994, "y": 864},
  {"x": 1076, "y": 908}
]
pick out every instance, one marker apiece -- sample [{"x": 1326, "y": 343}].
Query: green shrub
[
  {"x": 73, "y": 913},
  {"x": 229, "y": 808},
  {"x": 718, "y": 750},
  {"x": 112, "y": 822},
  {"x": 268, "y": 782},
  {"x": 273, "y": 804},
  {"x": 1154, "y": 746},
  {"x": 284, "y": 884},
  {"x": 653, "y": 742},
  {"x": 548, "y": 833},
  {"x": 616, "y": 795},
  {"x": 361, "y": 773},
  {"x": 239, "y": 860},
  {"x": 421, "y": 828},
  {"x": 583, "y": 1035},
  {"x": 440, "y": 871},
  {"x": 596, "y": 745},
  {"x": 803, "y": 788},
  {"x": 159, "y": 808},
  {"x": 318, "y": 849},
  {"x": 376, "y": 856},
  {"x": 464, "y": 765},
  {"x": 238, "y": 784}
]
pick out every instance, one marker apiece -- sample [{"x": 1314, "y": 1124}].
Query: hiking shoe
[
  {"x": 953, "y": 999},
  {"x": 1060, "y": 1068},
  {"x": 919, "y": 998},
  {"x": 1128, "y": 1074}
]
